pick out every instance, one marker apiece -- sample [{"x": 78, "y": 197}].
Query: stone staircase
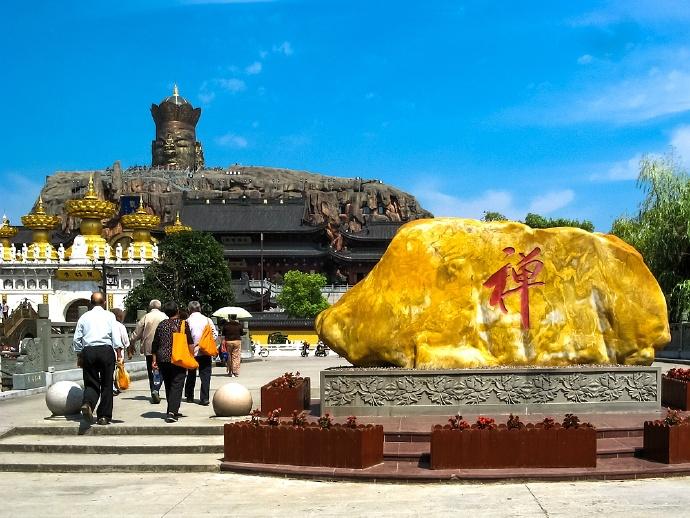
[{"x": 105, "y": 449}]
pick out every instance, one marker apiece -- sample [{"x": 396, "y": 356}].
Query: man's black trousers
[{"x": 98, "y": 364}]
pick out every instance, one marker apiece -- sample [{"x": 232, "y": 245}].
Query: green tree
[
  {"x": 301, "y": 294},
  {"x": 191, "y": 267},
  {"x": 493, "y": 216},
  {"x": 660, "y": 230},
  {"x": 538, "y": 221}
]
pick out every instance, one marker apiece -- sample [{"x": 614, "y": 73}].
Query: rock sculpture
[
  {"x": 13, "y": 253},
  {"x": 455, "y": 293},
  {"x": 25, "y": 252},
  {"x": 118, "y": 253},
  {"x": 96, "y": 252},
  {"x": 61, "y": 252},
  {"x": 154, "y": 252},
  {"x": 36, "y": 251},
  {"x": 107, "y": 251},
  {"x": 130, "y": 252}
]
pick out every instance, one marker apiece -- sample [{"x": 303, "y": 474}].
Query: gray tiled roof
[{"x": 250, "y": 217}]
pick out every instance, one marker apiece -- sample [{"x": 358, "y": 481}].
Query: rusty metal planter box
[
  {"x": 529, "y": 447},
  {"x": 310, "y": 445}
]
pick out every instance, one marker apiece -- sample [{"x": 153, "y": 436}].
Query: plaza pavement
[{"x": 228, "y": 494}]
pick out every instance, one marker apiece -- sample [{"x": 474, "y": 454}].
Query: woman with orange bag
[{"x": 162, "y": 349}]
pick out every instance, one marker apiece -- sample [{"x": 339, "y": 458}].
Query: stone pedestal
[{"x": 393, "y": 391}]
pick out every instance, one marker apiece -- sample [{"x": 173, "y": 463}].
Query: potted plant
[
  {"x": 289, "y": 392},
  {"x": 667, "y": 440},
  {"x": 300, "y": 443},
  {"x": 675, "y": 389},
  {"x": 513, "y": 445}
]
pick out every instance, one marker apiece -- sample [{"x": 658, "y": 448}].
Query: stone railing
[{"x": 49, "y": 353}]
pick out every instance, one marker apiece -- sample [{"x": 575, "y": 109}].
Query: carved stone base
[{"x": 392, "y": 391}]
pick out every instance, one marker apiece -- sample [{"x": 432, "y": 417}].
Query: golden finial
[
  {"x": 39, "y": 206},
  {"x": 141, "y": 209},
  {"x": 176, "y": 92},
  {"x": 5, "y": 220},
  {"x": 177, "y": 219},
  {"x": 90, "y": 191}
]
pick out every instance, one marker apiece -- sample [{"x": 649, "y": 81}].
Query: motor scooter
[{"x": 305, "y": 350}]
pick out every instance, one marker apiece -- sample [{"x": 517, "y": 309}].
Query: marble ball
[
  {"x": 64, "y": 398},
  {"x": 232, "y": 399}
]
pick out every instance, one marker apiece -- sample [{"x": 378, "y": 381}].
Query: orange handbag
[
  {"x": 207, "y": 344},
  {"x": 181, "y": 355}
]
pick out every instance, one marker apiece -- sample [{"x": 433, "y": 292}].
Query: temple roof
[
  {"x": 246, "y": 217},
  {"x": 362, "y": 255},
  {"x": 287, "y": 250},
  {"x": 374, "y": 231}
]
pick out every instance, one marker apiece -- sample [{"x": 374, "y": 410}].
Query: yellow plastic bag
[{"x": 122, "y": 380}]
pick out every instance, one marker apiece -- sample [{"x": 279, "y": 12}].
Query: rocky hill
[{"x": 339, "y": 203}]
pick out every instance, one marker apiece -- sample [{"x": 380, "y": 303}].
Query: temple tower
[{"x": 175, "y": 145}]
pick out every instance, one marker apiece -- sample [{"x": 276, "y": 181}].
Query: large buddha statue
[{"x": 175, "y": 145}]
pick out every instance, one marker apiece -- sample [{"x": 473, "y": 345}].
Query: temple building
[{"x": 268, "y": 220}]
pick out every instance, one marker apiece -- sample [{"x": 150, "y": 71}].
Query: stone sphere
[
  {"x": 232, "y": 399},
  {"x": 64, "y": 398}
]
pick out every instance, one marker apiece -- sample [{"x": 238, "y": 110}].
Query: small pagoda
[
  {"x": 177, "y": 226},
  {"x": 41, "y": 224},
  {"x": 92, "y": 210},
  {"x": 142, "y": 223}
]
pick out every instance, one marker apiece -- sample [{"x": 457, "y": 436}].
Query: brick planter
[
  {"x": 675, "y": 393},
  {"x": 665, "y": 443},
  {"x": 288, "y": 399},
  {"x": 530, "y": 447},
  {"x": 310, "y": 445}
]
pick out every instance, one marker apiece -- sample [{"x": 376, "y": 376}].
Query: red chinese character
[{"x": 527, "y": 269}]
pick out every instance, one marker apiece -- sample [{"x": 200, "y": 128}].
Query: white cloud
[
  {"x": 442, "y": 204},
  {"x": 284, "y": 48},
  {"x": 206, "y": 96},
  {"x": 680, "y": 140},
  {"x": 638, "y": 99},
  {"x": 369, "y": 95},
  {"x": 263, "y": 54},
  {"x": 232, "y": 141},
  {"x": 585, "y": 59},
  {"x": 551, "y": 201},
  {"x": 619, "y": 171},
  {"x": 254, "y": 68},
  {"x": 232, "y": 85}
]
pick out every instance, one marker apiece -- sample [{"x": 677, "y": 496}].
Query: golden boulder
[{"x": 459, "y": 293}]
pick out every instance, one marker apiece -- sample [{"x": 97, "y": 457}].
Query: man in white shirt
[
  {"x": 95, "y": 339},
  {"x": 197, "y": 322},
  {"x": 145, "y": 330}
]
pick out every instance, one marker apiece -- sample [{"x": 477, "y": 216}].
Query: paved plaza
[{"x": 227, "y": 494}]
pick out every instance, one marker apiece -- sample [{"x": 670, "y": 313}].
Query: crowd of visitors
[{"x": 100, "y": 340}]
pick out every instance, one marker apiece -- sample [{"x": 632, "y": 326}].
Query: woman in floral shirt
[{"x": 173, "y": 375}]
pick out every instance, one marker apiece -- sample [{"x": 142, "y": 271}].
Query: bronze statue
[{"x": 175, "y": 143}]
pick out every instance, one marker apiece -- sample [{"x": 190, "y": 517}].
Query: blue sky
[{"x": 470, "y": 106}]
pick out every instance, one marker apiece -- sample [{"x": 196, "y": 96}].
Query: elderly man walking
[
  {"x": 95, "y": 339},
  {"x": 145, "y": 331},
  {"x": 197, "y": 322}
]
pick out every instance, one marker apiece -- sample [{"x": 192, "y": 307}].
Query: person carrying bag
[
  {"x": 172, "y": 355},
  {"x": 204, "y": 334}
]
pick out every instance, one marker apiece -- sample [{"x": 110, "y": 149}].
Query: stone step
[
  {"x": 109, "y": 463},
  {"x": 112, "y": 444},
  {"x": 179, "y": 428}
]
